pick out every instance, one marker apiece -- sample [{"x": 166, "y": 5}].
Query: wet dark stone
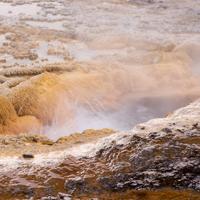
[
  {"x": 74, "y": 184},
  {"x": 28, "y": 156},
  {"x": 167, "y": 130},
  {"x": 153, "y": 135},
  {"x": 63, "y": 196}
]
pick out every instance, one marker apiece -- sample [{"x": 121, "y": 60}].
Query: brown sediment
[
  {"x": 10, "y": 123},
  {"x": 37, "y": 97},
  {"x": 17, "y": 145}
]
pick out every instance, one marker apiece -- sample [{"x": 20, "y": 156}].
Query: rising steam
[{"x": 119, "y": 97}]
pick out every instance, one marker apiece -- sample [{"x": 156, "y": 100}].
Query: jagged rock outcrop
[{"x": 158, "y": 154}]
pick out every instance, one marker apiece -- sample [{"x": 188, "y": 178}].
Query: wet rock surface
[
  {"x": 144, "y": 163},
  {"x": 162, "y": 153}
]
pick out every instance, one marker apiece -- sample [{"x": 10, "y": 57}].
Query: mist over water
[
  {"x": 139, "y": 59},
  {"x": 129, "y": 114},
  {"x": 119, "y": 97}
]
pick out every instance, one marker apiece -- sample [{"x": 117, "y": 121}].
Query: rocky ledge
[
  {"x": 158, "y": 154},
  {"x": 162, "y": 153}
]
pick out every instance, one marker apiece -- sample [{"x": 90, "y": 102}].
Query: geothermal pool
[
  {"x": 128, "y": 68},
  {"x": 68, "y": 67}
]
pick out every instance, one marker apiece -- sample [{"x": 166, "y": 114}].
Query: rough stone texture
[{"x": 158, "y": 154}]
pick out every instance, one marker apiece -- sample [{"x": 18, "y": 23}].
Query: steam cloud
[{"x": 119, "y": 97}]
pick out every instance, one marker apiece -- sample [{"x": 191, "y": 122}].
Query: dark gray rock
[{"x": 28, "y": 156}]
